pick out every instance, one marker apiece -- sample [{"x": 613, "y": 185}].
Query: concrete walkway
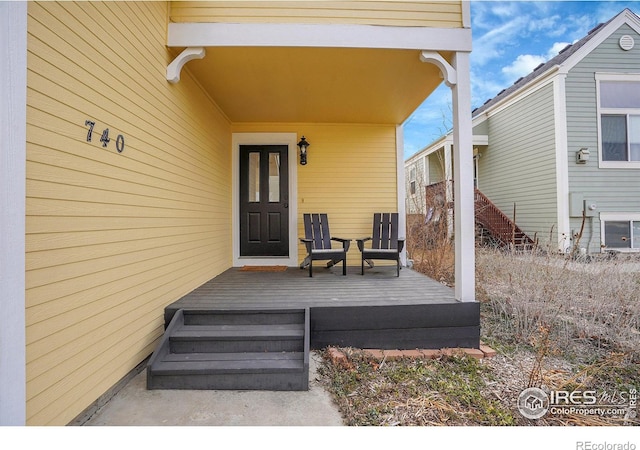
[{"x": 134, "y": 405}]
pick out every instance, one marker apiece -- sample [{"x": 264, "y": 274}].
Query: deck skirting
[{"x": 402, "y": 327}]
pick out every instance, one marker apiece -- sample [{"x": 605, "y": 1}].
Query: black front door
[{"x": 264, "y": 200}]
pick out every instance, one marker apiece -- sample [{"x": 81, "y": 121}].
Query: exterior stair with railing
[
  {"x": 496, "y": 228},
  {"x": 493, "y": 227},
  {"x": 233, "y": 349}
]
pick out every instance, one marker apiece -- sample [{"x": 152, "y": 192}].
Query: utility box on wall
[{"x": 578, "y": 204}]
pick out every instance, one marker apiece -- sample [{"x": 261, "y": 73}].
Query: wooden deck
[{"x": 377, "y": 310}]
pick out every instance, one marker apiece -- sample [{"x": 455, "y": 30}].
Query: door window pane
[
  {"x": 617, "y": 234},
  {"x": 274, "y": 177},
  {"x": 254, "y": 177},
  {"x": 614, "y": 137}
]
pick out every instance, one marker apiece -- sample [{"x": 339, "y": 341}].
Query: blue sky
[{"x": 509, "y": 40}]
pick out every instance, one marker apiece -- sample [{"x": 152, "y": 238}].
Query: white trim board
[
  {"x": 291, "y": 141},
  {"x": 562, "y": 164},
  {"x": 317, "y": 35}
]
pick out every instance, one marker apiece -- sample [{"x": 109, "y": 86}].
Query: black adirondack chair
[
  {"x": 318, "y": 243},
  {"x": 384, "y": 242}
]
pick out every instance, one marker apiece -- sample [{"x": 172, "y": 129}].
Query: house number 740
[{"x": 104, "y": 138}]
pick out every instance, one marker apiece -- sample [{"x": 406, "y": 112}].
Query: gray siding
[
  {"x": 519, "y": 164},
  {"x": 614, "y": 190},
  {"x": 481, "y": 129}
]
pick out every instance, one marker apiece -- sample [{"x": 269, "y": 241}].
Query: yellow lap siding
[
  {"x": 425, "y": 14},
  {"x": 112, "y": 238}
]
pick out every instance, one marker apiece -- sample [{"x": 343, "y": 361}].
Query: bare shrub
[
  {"x": 429, "y": 242},
  {"x": 595, "y": 303}
]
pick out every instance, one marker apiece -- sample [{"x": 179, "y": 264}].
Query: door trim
[{"x": 290, "y": 140}]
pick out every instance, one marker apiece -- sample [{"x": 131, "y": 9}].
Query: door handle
[{"x": 286, "y": 205}]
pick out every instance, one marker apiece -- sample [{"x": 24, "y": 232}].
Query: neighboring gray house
[{"x": 561, "y": 142}]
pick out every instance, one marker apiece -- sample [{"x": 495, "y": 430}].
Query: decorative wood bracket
[
  {"x": 448, "y": 72},
  {"x": 189, "y": 53}
]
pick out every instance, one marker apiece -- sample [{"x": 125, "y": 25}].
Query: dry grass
[
  {"x": 446, "y": 391},
  {"x": 563, "y": 305},
  {"x": 562, "y": 324}
]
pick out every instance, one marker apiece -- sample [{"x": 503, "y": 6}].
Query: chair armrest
[
  {"x": 361, "y": 242},
  {"x": 345, "y": 242},
  {"x": 308, "y": 243}
]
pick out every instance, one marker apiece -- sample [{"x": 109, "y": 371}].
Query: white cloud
[
  {"x": 525, "y": 64},
  {"x": 483, "y": 88},
  {"x": 492, "y": 44},
  {"x": 555, "y": 49},
  {"x": 522, "y": 66}
]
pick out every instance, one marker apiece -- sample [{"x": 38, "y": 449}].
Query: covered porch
[{"x": 345, "y": 89}]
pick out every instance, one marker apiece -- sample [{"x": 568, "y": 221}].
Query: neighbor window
[
  {"x": 620, "y": 234},
  {"x": 412, "y": 181},
  {"x": 620, "y": 120}
]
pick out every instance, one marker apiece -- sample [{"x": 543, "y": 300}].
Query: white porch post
[
  {"x": 463, "y": 181},
  {"x": 402, "y": 191},
  {"x": 13, "y": 120}
]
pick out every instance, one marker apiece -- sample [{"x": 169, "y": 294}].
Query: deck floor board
[{"x": 328, "y": 287}]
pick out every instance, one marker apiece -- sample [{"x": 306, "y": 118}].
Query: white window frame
[
  {"x": 634, "y": 77},
  {"x": 413, "y": 180},
  {"x": 620, "y": 217}
]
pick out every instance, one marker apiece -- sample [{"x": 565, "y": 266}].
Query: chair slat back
[
  {"x": 316, "y": 227},
  {"x": 385, "y": 231}
]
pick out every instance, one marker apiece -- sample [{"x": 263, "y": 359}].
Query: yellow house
[{"x": 127, "y": 128}]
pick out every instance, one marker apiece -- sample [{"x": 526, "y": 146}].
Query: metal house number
[{"x": 104, "y": 138}]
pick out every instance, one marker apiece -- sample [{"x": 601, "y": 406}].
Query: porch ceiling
[{"x": 331, "y": 85}]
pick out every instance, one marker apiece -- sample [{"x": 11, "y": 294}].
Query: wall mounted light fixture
[{"x": 303, "y": 144}]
